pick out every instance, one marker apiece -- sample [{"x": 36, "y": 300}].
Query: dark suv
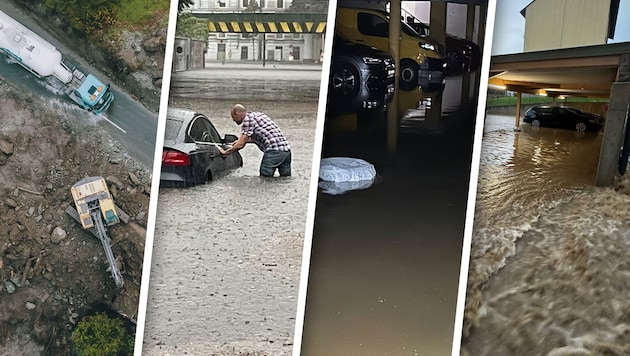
[
  {"x": 361, "y": 77},
  {"x": 461, "y": 55},
  {"x": 563, "y": 117}
]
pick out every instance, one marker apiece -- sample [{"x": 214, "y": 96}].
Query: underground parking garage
[{"x": 384, "y": 266}]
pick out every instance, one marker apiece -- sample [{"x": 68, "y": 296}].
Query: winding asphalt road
[{"x": 127, "y": 121}]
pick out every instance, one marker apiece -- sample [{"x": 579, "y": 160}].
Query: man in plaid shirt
[{"x": 258, "y": 128}]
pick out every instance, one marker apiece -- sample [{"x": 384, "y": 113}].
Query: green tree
[
  {"x": 316, "y": 6},
  {"x": 99, "y": 335},
  {"x": 252, "y": 6},
  {"x": 90, "y": 17},
  {"x": 192, "y": 27},
  {"x": 184, "y": 4}
]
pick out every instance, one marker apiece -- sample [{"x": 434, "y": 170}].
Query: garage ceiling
[{"x": 584, "y": 71}]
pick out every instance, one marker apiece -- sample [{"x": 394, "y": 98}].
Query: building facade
[
  {"x": 271, "y": 47},
  {"x": 554, "y": 24}
]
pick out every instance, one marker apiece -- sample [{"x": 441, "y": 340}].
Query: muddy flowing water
[
  {"x": 547, "y": 273},
  {"x": 227, "y": 254}
]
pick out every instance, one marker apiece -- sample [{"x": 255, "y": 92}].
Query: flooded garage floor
[{"x": 385, "y": 261}]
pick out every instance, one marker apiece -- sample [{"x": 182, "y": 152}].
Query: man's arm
[{"x": 237, "y": 145}]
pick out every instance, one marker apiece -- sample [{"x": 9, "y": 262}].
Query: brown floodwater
[
  {"x": 226, "y": 255},
  {"x": 547, "y": 275}
]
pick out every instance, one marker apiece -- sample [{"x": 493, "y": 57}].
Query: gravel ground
[{"x": 227, "y": 255}]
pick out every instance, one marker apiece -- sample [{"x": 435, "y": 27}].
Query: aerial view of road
[{"x": 127, "y": 120}]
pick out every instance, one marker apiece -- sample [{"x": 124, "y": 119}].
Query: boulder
[{"x": 58, "y": 235}]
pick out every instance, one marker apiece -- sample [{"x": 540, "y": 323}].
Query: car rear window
[{"x": 172, "y": 128}]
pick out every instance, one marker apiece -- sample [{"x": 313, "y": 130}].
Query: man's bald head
[{"x": 238, "y": 113}]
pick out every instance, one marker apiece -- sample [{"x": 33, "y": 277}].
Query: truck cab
[
  {"x": 420, "y": 57},
  {"x": 93, "y": 95}
]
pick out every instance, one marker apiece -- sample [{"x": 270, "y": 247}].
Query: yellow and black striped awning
[{"x": 267, "y": 27}]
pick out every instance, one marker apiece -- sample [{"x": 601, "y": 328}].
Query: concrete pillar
[
  {"x": 517, "y": 123},
  {"x": 394, "y": 50},
  {"x": 308, "y": 48},
  {"x": 470, "y": 22},
  {"x": 438, "y": 21},
  {"x": 618, "y": 107},
  {"x": 470, "y": 89},
  {"x": 482, "y": 13}
]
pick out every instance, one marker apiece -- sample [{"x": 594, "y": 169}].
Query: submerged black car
[
  {"x": 190, "y": 155},
  {"x": 361, "y": 77},
  {"x": 461, "y": 55},
  {"x": 563, "y": 117}
]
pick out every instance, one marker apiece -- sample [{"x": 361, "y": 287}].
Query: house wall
[{"x": 553, "y": 24}]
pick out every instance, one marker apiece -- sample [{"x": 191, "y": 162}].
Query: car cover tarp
[{"x": 341, "y": 174}]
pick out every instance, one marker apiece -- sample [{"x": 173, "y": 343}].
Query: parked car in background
[
  {"x": 461, "y": 55},
  {"x": 419, "y": 56},
  {"x": 563, "y": 117},
  {"x": 361, "y": 77},
  {"x": 190, "y": 155}
]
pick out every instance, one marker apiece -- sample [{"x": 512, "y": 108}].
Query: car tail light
[{"x": 175, "y": 158}]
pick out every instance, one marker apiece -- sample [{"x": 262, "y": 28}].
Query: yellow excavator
[{"x": 94, "y": 209}]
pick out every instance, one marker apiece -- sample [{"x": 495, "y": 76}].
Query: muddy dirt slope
[{"x": 51, "y": 271}]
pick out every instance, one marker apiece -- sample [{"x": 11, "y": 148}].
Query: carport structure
[{"x": 600, "y": 71}]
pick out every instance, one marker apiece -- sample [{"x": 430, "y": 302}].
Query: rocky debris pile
[{"x": 52, "y": 272}]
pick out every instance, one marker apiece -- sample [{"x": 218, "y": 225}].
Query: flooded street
[
  {"x": 385, "y": 261},
  {"x": 547, "y": 272},
  {"x": 227, "y": 254}
]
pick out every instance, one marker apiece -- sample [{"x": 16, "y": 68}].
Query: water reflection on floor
[
  {"x": 530, "y": 167},
  {"x": 385, "y": 261}
]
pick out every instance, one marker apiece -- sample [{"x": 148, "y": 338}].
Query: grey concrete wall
[
  {"x": 233, "y": 89},
  {"x": 613, "y": 133}
]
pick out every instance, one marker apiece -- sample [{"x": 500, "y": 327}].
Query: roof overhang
[{"x": 582, "y": 71}]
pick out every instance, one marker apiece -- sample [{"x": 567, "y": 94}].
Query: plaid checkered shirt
[{"x": 264, "y": 132}]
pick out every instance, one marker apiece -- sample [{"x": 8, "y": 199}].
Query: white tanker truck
[{"x": 39, "y": 57}]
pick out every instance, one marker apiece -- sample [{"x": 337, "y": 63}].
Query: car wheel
[
  {"x": 535, "y": 123},
  {"x": 344, "y": 81},
  {"x": 580, "y": 127},
  {"x": 454, "y": 63},
  {"x": 408, "y": 73}
]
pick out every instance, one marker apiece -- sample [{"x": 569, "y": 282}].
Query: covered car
[{"x": 190, "y": 155}]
